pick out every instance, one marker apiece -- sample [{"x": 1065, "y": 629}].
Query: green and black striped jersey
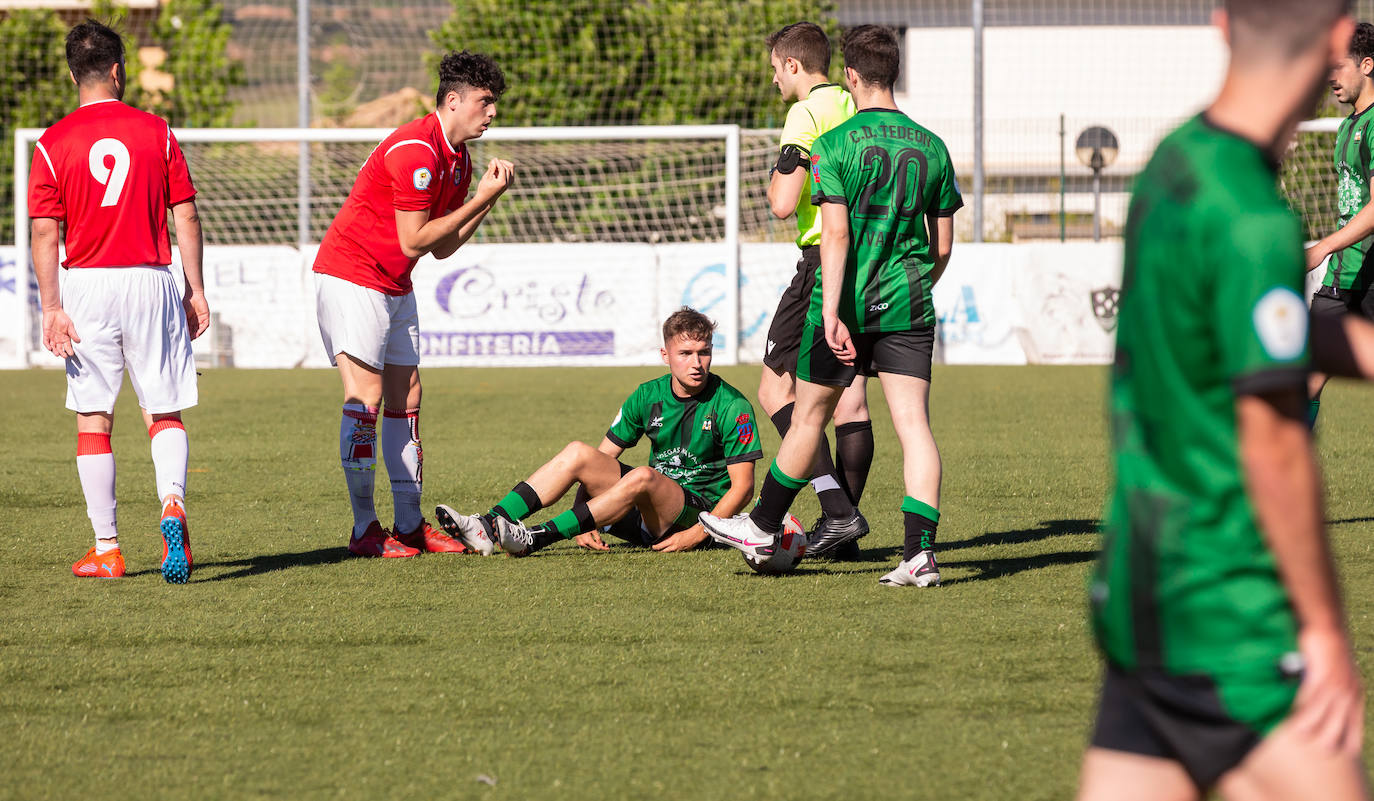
[{"x": 890, "y": 173}]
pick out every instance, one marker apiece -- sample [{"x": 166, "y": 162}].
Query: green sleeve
[
  {"x": 826, "y": 186},
  {"x": 740, "y": 433},
  {"x": 628, "y": 425},
  {"x": 949, "y": 198},
  {"x": 1256, "y": 301},
  {"x": 800, "y": 129}
]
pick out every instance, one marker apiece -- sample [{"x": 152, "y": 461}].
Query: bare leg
[
  {"x": 1288, "y": 766},
  {"x": 577, "y": 463},
  {"x": 1119, "y": 776},
  {"x": 908, "y": 401}
]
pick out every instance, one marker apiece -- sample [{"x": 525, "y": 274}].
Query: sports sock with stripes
[
  {"x": 405, "y": 466},
  {"x": 829, "y": 492},
  {"x": 521, "y": 502},
  {"x": 95, "y": 465},
  {"x": 776, "y": 495},
  {"x": 920, "y": 521},
  {"x": 358, "y": 454},
  {"x": 171, "y": 450}
]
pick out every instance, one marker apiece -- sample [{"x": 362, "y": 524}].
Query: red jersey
[
  {"x": 111, "y": 172},
  {"x": 413, "y": 169}
]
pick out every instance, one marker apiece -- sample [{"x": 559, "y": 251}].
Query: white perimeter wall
[
  {"x": 593, "y": 304},
  {"x": 528, "y": 305}
]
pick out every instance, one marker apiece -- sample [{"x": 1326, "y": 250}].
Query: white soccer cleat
[
  {"x": 740, "y": 533},
  {"x": 471, "y": 530},
  {"x": 515, "y": 539},
  {"x": 920, "y": 571}
]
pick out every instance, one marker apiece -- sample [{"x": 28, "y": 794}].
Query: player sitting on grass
[{"x": 703, "y": 446}]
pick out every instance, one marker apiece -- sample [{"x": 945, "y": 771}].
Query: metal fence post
[{"x": 978, "y": 178}]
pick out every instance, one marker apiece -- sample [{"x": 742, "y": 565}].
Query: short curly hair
[
  {"x": 468, "y": 70},
  {"x": 1362, "y": 43}
]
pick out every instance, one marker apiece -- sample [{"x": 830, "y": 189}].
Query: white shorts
[
  {"x": 128, "y": 316},
  {"x": 373, "y": 327}
]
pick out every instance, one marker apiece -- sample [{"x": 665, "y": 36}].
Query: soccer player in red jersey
[
  {"x": 410, "y": 198},
  {"x": 110, "y": 172}
]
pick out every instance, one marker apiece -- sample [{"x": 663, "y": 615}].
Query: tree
[
  {"x": 588, "y": 62},
  {"x": 35, "y": 86}
]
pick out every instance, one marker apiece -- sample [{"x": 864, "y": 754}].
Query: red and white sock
[
  {"x": 95, "y": 465},
  {"x": 171, "y": 450},
  {"x": 405, "y": 465},
  {"x": 358, "y": 454}
]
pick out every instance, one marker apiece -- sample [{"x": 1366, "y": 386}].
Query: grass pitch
[{"x": 286, "y": 669}]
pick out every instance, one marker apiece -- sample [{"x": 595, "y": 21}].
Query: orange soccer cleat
[
  {"x": 104, "y": 565},
  {"x": 176, "y": 544},
  {"x": 427, "y": 538},
  {"x": 377, "y": 541}
]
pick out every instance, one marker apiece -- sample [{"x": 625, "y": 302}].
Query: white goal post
[{"x": 663, "y": 197}]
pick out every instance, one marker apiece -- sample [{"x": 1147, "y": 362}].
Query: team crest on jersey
[
  {"x": 710, "y": 422},
  {"x": 421, "y": 178},
  {"x": 1280, "y": 319},
  {"x": 1106, "y": 304},
  {"x": 744, "y": 429},
  {"x": 816, "y": 168}
]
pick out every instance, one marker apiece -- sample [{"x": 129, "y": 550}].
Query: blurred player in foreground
[
  {"x": 410, "y": 198},
  {"x": 1229, "y": 667},
  {"x": 887, "y": 194},
  {"x": 800, "y": 57},
  {"x": 703, "y": 445},
  {"x": 110, "y": 172},
  {"x": 1345, "y": 288}
]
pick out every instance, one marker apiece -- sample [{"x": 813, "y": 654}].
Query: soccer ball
[{"x": 788, "y": 550}]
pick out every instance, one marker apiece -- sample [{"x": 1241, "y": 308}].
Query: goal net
[{"x": 605, "y": 231}]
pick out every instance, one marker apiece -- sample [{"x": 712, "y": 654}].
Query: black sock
[
  {"x": 921, "y": 521},
  {"x": 782, "y": 419},
  {"x": 834, "y": 500},
  {"x": 544, "y": 537},
  {"x": 776, "y": 495},
  {"x": 853, "y": 457}
]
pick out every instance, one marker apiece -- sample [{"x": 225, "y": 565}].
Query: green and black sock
[
  {"x": 829, "y": 491},
  {"x": 920, "y": 520},
  {"x": 1313, "y": 406},
  {"x": 776, "y": 495},
  {"x": 565, "y": 526},
  {"x": 519, "y": 503}
]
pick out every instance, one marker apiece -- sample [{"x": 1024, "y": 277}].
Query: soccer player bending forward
[
  {"x": 410, "y": 198},
  {"x": 887, "y": 193},
  {"x": 110, "y": 172},
  {"x": 703, "y": 445},
  {"x": 1228, "y": 664}
]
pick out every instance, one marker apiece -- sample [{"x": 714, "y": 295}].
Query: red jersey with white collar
[
  {"x": 111, "y": 172},
  {"x": 413, "y": 169}
]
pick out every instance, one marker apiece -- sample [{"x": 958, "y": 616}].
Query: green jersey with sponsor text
[
  {"x": 691, "y": 440},
  {"x": 1345, "y": 268},
  {"x": 890, "y": 173},
  {"x": 825, "y": 106},
  {"x": 1211, "y": 308}
]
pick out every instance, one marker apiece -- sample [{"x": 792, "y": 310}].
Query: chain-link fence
[{"x": 1009, "y": 85}]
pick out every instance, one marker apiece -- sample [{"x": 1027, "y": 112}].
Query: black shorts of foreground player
[{"x": 703, "y": 448}]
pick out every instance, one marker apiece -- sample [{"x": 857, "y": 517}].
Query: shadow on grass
[
  {"x": 270, "y": 563},
  {"x": 1046, "y": 529},
  {"x": 998, "y": 568},
  {"x": 1346, "y": 520}
]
